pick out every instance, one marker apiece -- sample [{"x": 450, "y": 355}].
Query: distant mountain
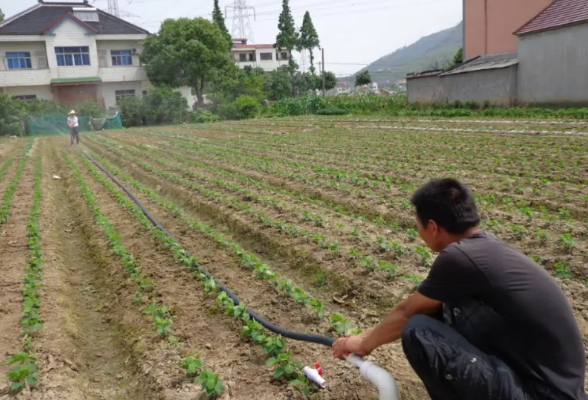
[{"x": 427, "y": 53}]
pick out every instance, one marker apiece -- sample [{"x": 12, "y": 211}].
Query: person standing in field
[
  {"x": 487, "y": 323},
  {"x": 72, "y": 122}
]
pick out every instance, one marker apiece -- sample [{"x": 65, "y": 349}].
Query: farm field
[{"x": 307, "y": 220}]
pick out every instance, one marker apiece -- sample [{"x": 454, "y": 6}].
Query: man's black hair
[{"x": 449, "y": 203}]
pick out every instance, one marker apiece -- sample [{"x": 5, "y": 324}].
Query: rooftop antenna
[{"x": 241, "y": 23}]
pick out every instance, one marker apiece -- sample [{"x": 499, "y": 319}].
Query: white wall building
[
  {"x": 72, "y": 53},
  {"x": 264, "y": 56}
]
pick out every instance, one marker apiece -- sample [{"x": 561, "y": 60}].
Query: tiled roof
[
  {"x": 43, "y": 16},
  {"x": 253, "y": 46},
  {"x": 558, "y": 14}
]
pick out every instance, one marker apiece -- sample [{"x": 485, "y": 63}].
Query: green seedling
[
  {"x": 393, "y": 270},
  {"x": 285, "y": 366},
  {"x": 340, "y": 323},
  {"x": 354, "y": 254},
  {"x": 274, "y": 345},
  {"x": 211, "y": 384},
  {"x": 425, "y": 254},
  {"x": 568, "y": 241},
  {"x": 318, "y": 308},
  {"x": 541, "y": 235},
  {"x": 25, "y": 373},
  {"x": 369, "y": 263},
  {"x": 412, "y": 234},
  {"x": 192, "y": 365},
  {"x": 286, "y": 287},
  {"x": 562, "y": 270},
  {"x": 415, "y": 279}
]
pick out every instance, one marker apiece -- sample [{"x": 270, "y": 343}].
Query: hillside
[{"x": 426, "y": 53}]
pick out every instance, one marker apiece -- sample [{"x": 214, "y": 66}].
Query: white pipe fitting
[
  {"x": 314, "y": 376},
  {"x": 382, "y": 379}
]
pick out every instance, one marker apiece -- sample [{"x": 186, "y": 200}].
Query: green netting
[{"x": 57, "y": 124}]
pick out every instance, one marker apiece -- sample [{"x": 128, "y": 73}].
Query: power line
[{"x": 241, "y": 23}]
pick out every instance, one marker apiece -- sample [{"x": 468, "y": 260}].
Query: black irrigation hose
[{"x": 304, "y": 337}]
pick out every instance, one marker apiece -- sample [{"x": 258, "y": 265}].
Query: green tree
[
  {"x": 287, "y": 36},
  {"x": 1, "y": 16},
  {"x": 278, "y": 85},
  {"x": 309, "y": 39},
  {"x": 186, "y": 52},
  {"x": 363, "y": 78},
  {"x": 330, "y": 80},
  {"x": 219, "y": 20}
]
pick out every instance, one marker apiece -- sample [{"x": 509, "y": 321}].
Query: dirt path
[
  {"x": 13, "y": 261},
  {"x": 85, "y": 345}
]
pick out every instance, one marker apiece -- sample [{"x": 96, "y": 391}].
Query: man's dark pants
[
  {"x": 452, "y": 368},
  {"x": 74, "y": 135}
]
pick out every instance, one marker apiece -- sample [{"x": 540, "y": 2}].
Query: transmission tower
[
  {"x": 113, "y": 8},
  {"x": 241, "y": 23}
]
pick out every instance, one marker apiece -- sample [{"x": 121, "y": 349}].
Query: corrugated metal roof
[
  {"x": 424, "y": 74},
  {"x": 558, "y": 14},
  {"x": 493, "y": 61},
  {"x": 37, "y": 19}
]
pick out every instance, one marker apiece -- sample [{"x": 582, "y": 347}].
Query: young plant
[
  {"x": 541, "y": 235},
  {"x": 562, "y": 270},
  {"x": 285, "y": 366},
  {"x": 286, "y": 287},
  {"x": 568, "y": 241},
  {"x": 425, "y": 254},
  {"x": 518, "y": 230},
  {"x": 25, "y": 373},
  {"x": 211, "y": 384},
  {"x": 192, "y": 365},
  {"x": 340, "y": 323},
  {"x": 318, "y": 308},
  {"x": 412, "y": 234},
  {"x": 393, "y": 270},
  {"x": 369, "y": 263},
  {"x": 415, "y": 279},
  {"x": 274, "y": 345}
]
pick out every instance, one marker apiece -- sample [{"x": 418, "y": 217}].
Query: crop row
[
  {"x": 565, "y": 241},
  {"x": 490, "y": 203},
  {"x": 354, "y": 255},
  {"x": 517, "y": 158},
  {"x": 160, "y": 314},
  {"x": 249, "y": 261},
  {"x": 25, "y": 371},
  {"x": 378, "y": 185},
  {"x": 282, "y": 360},
  {"x": 11, "y": 190}
]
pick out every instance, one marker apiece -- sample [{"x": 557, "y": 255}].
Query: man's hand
[{"x": 352, "y": 344}]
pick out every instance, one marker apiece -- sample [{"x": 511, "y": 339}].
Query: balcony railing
[{"x": 10, "y": 77}]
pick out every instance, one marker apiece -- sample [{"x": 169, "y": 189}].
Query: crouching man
[{"x": 488, "y": 322}]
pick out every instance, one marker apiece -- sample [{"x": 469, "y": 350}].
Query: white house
[
  {"x": 72, "y": 53},
  {"x": 264, "y": 56}
]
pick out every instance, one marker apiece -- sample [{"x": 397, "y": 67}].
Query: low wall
[{"x": 492, "y": 86}]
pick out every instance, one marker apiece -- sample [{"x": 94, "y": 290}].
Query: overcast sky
[{"x": 353, "y": 32}]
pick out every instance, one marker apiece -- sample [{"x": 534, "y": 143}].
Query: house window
[
  {"x": 284, "y": 56},
  {"x": 266, "y": 57},
  {"x": 28, "y": 97},
  {"x": 119, "y": 94},
  {"x": 251, "y": 57},
  {"x": 242, "y": 57},
  {"x": 20, "y": 60},
  {"x": 122, "y": 57},
  {"x": 69, "y": 56}
]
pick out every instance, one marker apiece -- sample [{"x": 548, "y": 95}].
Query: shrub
[
  {"x": 131, "y": 110},
  {"x": 247, "y": 106},
  {"x": 164, "y": 106},
  {"x": 204, "y": 117},
  {"x": 11, "y": 114}
]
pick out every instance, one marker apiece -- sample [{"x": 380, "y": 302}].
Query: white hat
[{"x": 71, "y": 112}]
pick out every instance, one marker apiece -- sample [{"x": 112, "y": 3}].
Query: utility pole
[{"x": 323, "y": 67}]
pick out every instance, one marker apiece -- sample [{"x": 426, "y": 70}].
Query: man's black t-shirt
[{"x": 543, "y": 340}]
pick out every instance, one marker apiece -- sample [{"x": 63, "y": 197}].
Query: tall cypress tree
[
  {"x": 1, "y": 16},
  {"x": 309, "y": 39},
  {"x": 287, "y": 36},
  {"x": 219, "y": 20}
]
